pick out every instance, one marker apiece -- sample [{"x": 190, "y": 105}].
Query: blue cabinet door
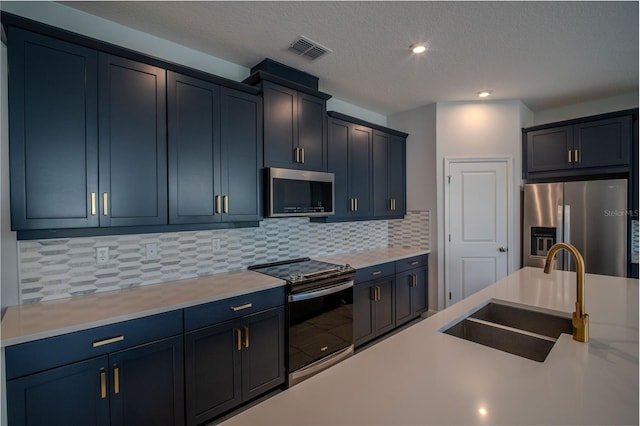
[
  {"x": 73, "y": 395},
  {"x": 263, "y": 361},
  {"x": 132, "y": 143},
  {"x": 212, "y": 371},
  {"x": 53, "y": 106},
  {"x": 147, "y": 384},
  {"x": 241, "y": 156},
  {"x": 312, "y": 132},
  {"x": 193, "y": 108},
  {"x": 280, "y": 126},
  {"x": 339, "y": 135},
  {"x": 603, "y": 143}
]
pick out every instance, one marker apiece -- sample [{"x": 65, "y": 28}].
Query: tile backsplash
[{"x": 58, "y": 268}]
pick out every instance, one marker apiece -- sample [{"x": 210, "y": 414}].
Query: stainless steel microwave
[{"x": 299, "y": 193}]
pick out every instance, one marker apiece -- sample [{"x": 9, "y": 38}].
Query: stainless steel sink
[{"x": 524, "y": 331}]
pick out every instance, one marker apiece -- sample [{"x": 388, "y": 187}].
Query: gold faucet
[{"x": 580, "y": 318}]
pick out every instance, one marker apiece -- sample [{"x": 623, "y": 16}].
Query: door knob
[{"x": 503, "y": 249}]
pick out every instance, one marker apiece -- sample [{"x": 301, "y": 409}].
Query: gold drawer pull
[
  {"x": 241, "y": 307},
  {"x": 246, "y": 337},
  {"x": 103, "y": 384},
  {"x": 93, "y": 204},
  {"x": 116, "y": 380},
  {"x": 104, "y": 204},
  {"x": 376, "y": 272},
  {"x": 107, "y": 341},
  {"x": 239, "y": 338},
  {"x": 415, "y": 262}
]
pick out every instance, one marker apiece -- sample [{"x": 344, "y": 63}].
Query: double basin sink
[{"x": 517, "y": 329}]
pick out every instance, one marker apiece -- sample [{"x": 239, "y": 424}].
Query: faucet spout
[{"x": 580, "y": 317}]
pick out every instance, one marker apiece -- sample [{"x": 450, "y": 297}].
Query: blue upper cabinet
[
  {"x": 132, "y": 143},
  {"x": 589, "y": 146},
  {"x": 295, "y": 129},
  {"x": 88, "y": 138},
  {"x": 53, "y": 132},
  {"x": 241, "y": 155},
  {"x": 389, "y": 173},
  {"x": 215, "y": 152},
  {"x": 350, "y": 154}
]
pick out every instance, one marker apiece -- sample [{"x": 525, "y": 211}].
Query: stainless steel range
[{"x": 319, "y": 314}]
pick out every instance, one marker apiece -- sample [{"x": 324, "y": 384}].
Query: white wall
[
  {"x": 585, "y": 109},
  {"x": 420, "y": 124},
  {"x": 479, "y": 129}
]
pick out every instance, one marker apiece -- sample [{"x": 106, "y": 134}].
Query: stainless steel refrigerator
[{"x": 591, "y": 215}]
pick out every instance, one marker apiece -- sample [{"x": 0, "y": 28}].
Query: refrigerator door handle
[{"x": 567, "y": 235}]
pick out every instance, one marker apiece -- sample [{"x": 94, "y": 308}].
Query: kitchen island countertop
[{"x": 421, "y": 376}]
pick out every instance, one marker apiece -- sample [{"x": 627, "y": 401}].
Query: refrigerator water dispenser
[{"x": 542, "y": 239}]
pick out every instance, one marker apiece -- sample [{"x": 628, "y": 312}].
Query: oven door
[{"x": 320, "y": 329}]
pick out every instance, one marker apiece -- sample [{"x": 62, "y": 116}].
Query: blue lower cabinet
[
  {"x": 231, "y": 362},
  {"x": 129, "y": 373},
  {"x": 147, "y": 384},
  {"x": 72, "y": 395}
]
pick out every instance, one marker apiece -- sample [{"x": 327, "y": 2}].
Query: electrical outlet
[
  {"x": 102, "y": 255},
  {"x": 151, "y": 250},
  {"x": 215, "y": 244}
]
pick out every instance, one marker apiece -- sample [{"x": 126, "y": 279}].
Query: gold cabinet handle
[
  {"x": 218, "y": 204},
  {"x": 239, "y": 338},
  {"x": 376, "y": 272},
  {"x": 225, "y": 202},
  {"x": 104, "y": 204},
  {"x": 93, "y": 204},
  {"x": 378, "y": 293},
  {"x": 116, "y": 380},
  {"x": 414, "y": 280},
  {"x": 570, "y": 157},
  {"x": 575, "y": 156},
  {"x": 356, "y": 202},
  {"x": 297, "y": 151},
  {"x": 415, "y": 262},
  {"x": 246, "y": 337},
  {"x": 351, "y": 204},
  {"x": 302, "y": 156},
  {"x": 241, "y": 307},
  {"x": 373, "y": 294},
  {"x": 107, "y": 341},
  {"x": 103, "y": 383}
]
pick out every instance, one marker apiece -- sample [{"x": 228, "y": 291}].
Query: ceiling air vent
[{"x": 309, "y": 48}]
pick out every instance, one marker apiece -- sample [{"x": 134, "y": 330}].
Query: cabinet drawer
[
  {"x": 375, "y": 271},
  {"x": 28, "y": 358},
  {"x": 231, "y": 308},
  {"x": 411, "y": 262}
]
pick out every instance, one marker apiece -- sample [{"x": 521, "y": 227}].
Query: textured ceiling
[{"x": 547, "y": 54}]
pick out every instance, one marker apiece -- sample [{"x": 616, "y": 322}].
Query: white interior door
[{"x": 476, "y": 250}]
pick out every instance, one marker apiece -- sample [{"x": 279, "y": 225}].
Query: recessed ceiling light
[
  {"x": 484, "y": 94},
  {"x": 418, "y": 48}
]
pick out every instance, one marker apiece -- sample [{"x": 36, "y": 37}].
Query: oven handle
[{"x": 319, "y": 293}]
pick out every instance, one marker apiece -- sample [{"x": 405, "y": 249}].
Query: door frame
[{"x": 511, "y": 243}]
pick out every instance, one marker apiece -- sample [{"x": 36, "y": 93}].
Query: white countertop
[
  {"x": 421, "y": 376},
  {"x": 25, "y": 323}
]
